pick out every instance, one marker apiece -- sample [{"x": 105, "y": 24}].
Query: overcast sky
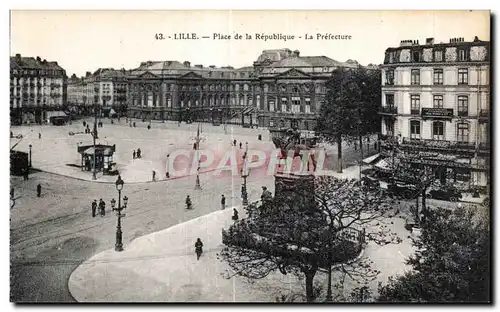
[{"x": 83, "y": 41}]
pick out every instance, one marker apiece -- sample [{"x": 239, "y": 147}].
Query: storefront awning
[
  {"x": 383, "y": 165},
  {"x": 371, "y": 159}
]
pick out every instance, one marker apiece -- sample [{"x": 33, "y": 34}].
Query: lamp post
[
  {"x": 94, "y": 136},
  {"x": 197, "y": 186},
  {"x": 119, "y": 186},
  {"x": 244, "y": 175},
  {"x": 30, "y": 146}
]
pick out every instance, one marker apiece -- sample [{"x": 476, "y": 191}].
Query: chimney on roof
[
  {"x": 212, "y": 66},
  {"x": 406, "y": 43},
  {"x": 44, "y": 61},
  {"x": 198, "y": 66},
  {"x": 38, "y": 59},
  {"x": 187, "y": 64},
  {"x": 429, "y": 41},
  {"x": 296, "y": 53},
  {"x": 476, "y": 39}
]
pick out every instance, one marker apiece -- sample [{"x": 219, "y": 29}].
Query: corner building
[
  {"x": 282, "y": 89},
  {"x": 436, "y": 102},
  {"x": 37, "y": 88}
]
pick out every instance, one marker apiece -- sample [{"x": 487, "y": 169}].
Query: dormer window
[
  {"x": 415, "y": 56},
  {"x": 462, "y": 55},
  {"x": 209, "y": 74}
]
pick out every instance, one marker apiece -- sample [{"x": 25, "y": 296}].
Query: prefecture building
[
  {"x": 436, "y": 102},
  {"x": 281, "y": 89},
  {"x": 37, "y": 89}
]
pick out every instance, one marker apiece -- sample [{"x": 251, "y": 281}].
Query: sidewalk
[{"x": 162, "y": 267}]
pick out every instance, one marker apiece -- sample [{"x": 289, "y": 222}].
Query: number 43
[{"x": 159, "y": 36}]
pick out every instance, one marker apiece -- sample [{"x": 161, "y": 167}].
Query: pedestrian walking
[
  {"x": 223, "y": 202},
  {"x": 241, "y": 144},
  {"x": 134, "y": 124},
  {"x": 94, "y": 208},
  {"x": 11, "y": 134},
  {"x": 149, "y": 127},
  {"x": 84, "y": 123},
  {"x": 189, "y": 205},
  {"x": 198, "y": 248},
  {"x": 133, "y": 155},
  {"x": 154, "y": 176},
  {"x": 235, "y": 214},
  {"x": 234, "y": 143},
  {"x": 102, "y": 207},
  {"x": 39, "y": 135},
  {"x": 138, "y": 153},
  {"x": 167, "y": 175},
  {"x": 38, "y": 190}
]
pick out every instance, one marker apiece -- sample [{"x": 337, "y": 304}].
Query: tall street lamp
[
  {"x": 244, "y": 175},
  {"x": 197, "y": 186},
  {"x": 30, "y": 146},
  {"x": 119, "y": 186}
]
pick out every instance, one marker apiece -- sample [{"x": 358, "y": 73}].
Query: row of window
[
  {"x": 236, "y": 87},
  {"x": 438, "y": 130},
  {"x": 437, "y": 102},
  {"x": 438, "y": 76},
  {"x": 417, "y": 56},
  {"x": 40, "y": 72}
]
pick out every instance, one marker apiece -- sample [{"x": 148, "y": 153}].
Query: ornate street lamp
[
  {"x": 119, "y": 186},
  {"x": 244, "y": 174},
  {"x": 30, "y": 146}
]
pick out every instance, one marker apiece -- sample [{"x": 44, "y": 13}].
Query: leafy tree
[
  {"x": 351, "y": 107},
  {"x": 310, "y": 224},
  {"x": 451, "y": 264}
]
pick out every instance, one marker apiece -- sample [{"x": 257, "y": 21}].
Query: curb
[{"x": 166, "y": 229}]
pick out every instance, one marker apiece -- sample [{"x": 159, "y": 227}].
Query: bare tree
[{"x": 311, "y": 224}]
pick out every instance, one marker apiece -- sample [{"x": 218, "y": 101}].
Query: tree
[
  {"x": 305, "y": 228},
  {"x": 351, "y": 107},
  {"x": 451, "y": 264}
]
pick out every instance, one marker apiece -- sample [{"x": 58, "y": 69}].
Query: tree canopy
[
  {"x": 311, "y": 226},
  {"x": 451, "y": 264}
]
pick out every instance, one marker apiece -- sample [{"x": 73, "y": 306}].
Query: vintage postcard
[{"x": 250, "y": 156}]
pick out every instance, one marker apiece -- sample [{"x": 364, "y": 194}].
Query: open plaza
[{"x": 63, "y": 253}]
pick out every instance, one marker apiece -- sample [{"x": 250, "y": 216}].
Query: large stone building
[
  {"x": 37, "y": 88},
  {"x": 436, "y": 102},
  {"x": 106, "y": 88},
  {"x": 281, "y": 89}
]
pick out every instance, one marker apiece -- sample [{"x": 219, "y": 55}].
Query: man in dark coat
[
  {"x": 94, "y": 208},
  {"x": 133, "y": 155},
  {"x": 198, "y": 248},
  {"x": 138, "y": 153},
  {"x": 102, "y": 207},
  {"x": 223, "y": 202},
  {"x": 38, "y": 190}
]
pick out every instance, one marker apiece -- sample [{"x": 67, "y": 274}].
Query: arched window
[{"x": 463, "y": 132}]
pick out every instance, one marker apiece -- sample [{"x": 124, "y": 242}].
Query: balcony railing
[
  {"x": 431, "y": 112},
  {"x": 415, "y": 111},
  {"x": 438, "y": 144},
  {"x": 388, "y": 110},
  {"x": 463, "y": 113}
]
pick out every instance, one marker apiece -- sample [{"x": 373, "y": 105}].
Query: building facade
[
  {"x": 37, "y": 87},
  {"x": 282, "y": 89},
  {"x": 436, "y": 102},
  {"x": 106, "y": 88}
]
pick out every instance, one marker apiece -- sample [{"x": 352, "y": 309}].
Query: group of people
[
  {"x": 136, "y": 154},
  {"x": 234, "y": 143},
  {"x": 102, "y": 208}
]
